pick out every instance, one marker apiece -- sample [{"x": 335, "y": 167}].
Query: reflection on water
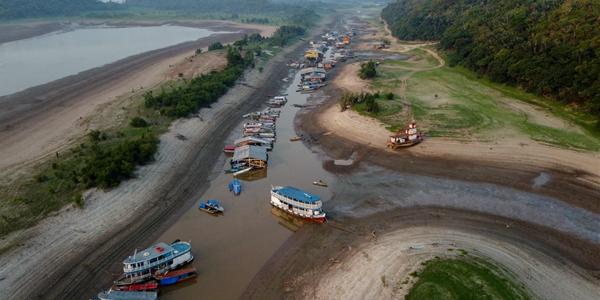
[
  {"x": 229, "y": 250},
  {"x": 38, "y": 60}
]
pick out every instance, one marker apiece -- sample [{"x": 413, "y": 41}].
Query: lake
[{"x": 42, "y": 59}]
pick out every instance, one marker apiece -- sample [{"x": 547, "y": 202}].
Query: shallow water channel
[{"x": 231, "y": 248}]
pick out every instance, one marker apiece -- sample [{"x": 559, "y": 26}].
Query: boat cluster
[
  {"x": 258, "y": 136},
  {"x": 146, "y": 271}
]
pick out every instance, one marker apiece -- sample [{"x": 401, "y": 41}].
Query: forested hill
[
  {"x": 549, "y": 47},
  {"x": 19, "y": 9}
]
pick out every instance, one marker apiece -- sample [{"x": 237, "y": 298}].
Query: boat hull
[{"x": 319, "y": 220}]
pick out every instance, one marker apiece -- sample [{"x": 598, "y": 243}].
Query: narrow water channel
[{"x": 230, "y": 249}]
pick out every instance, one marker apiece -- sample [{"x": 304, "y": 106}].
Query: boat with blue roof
[
  {"x": 299, "y": 203},
  {"x": 160, "y": 257},
  {"x": 211, "y": 206}
]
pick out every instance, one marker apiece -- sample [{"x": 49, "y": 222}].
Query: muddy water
[{"x": 230, "y": 249}]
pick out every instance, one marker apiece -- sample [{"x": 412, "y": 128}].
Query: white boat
[{"x": 298, "y": 203}]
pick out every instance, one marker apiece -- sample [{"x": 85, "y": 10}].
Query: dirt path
[{"x": 74, "y": 253}]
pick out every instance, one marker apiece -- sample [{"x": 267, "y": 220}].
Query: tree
[{"x": 368, "y": 70}]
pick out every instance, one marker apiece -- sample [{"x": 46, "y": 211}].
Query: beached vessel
[
  {"x": 211, "y": 206},
  {"x": 176, "y": 276},
  {"x": 160, "y": 257},
  {"x": 298, "y": 203},
  {"x": 406, "y": 137}
]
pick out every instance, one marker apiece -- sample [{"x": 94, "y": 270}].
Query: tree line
[{"x": 550, "y": 48}]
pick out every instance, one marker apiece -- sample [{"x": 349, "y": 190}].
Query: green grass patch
[
  {"x": 453, "y": 102},
  {"x": 464, "y": 278}
]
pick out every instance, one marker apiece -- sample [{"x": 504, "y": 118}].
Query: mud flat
[
  {"x": 77, "y": 252},
  {"x": 348, "y": 258}
]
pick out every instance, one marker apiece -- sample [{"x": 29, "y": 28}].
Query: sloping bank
[{"x": 72, "y": 254}]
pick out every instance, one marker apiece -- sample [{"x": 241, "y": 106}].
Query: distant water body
[{"x": 42, "y": 59}]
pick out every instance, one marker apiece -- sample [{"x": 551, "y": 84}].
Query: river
[
  {"x": 42, "y": 59},
  {"x": 230, "y": 249}
]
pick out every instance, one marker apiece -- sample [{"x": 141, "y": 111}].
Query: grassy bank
[
  {"x": 106, "y": 157},
  {"x": 464, "y": 278},
  {"x": 454, "y": 102}
]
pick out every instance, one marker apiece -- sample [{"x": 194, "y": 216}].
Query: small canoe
[
  {"x": 320, "y": 183},
  {"x": 235, "y": 186},
  {"x": 176, "y": 276},
  {"x": 146, "y": 286},
  {"x": 296, "y": 138},
  {"x": 211, "y": 206}
]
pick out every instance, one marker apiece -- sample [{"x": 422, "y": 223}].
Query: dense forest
[
  {"x": 551, "y": 48},
  {"x": 18, "y": 9}
]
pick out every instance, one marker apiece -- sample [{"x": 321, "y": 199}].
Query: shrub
[
  {"x": 138, "y": 122},
  {"x": 215, "y": 46},
  {"x": 368, "y": 70},
  {"x": 389, "y": 96}
]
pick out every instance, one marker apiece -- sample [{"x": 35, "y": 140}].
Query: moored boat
[
  {"x": 127, "y": 295},
  {"x": 144, "y": 286},
  {"x": 229, "y": 149},
  {"x": 235, "y": 186},
  {"x": 176, "y": 276},
  {"x": 320, "y": 183},
  {"x": 298, "y": 202},
  {"x": 160, "y": 257}
]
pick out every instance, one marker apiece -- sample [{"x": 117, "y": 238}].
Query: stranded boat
[
  {"x": 405, "y": 137},
  {"x": 160, "y": 257},
  {"x": 320, "y": 183},
  {"x": 298, "y": 202},
  {"x": 211, "y": 206},
  {"x": 173, "y": 277}
]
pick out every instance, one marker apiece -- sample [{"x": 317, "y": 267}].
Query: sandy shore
[
  {"x": 75, "y": 253},
  {"x": 40, "y": 121}
]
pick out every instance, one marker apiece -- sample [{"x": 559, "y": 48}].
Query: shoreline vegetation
[
  {"x": 107, "y": 157},
  {"x": 462, "y": 277},
  {"x": 454, "y": 102},
  {"x": 543, "y": 48}
]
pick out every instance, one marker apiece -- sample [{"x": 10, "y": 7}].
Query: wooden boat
[
  {"x": 320, "y": 183},
  {"x": 242, "y": 171},
  {"x": 211, "y": 206},
  {"x": 296, "y": 138},
  {"x": 145, "y": 286},
  {"x": 173, "y": 277},
  {"x": 406, "y": 137}
]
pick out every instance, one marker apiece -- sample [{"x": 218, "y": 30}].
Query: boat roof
[
  {"x": 298, "y": 194},
  {"x": 251, "y": 139},
  {"x": 249, "y": 151},
  {"x": 148, "y": 253},
  {"x": 213, "y": 202}
]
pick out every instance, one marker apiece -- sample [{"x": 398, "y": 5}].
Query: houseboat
[
  {"x": 160, "y": 257},
  {"x": 298, "y": 203}
]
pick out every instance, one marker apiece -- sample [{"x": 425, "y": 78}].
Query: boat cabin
[{"x": 253, "y": 141}]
